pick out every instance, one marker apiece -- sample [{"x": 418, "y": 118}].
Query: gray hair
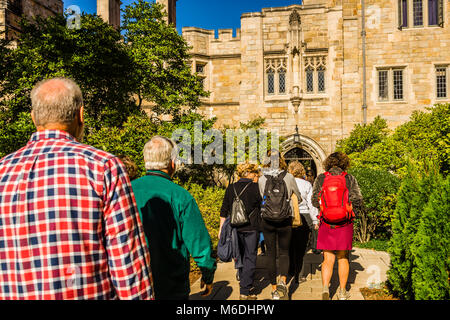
[
  {"x": 56, "y": 100},
  {"x": 159, "y": 152}
]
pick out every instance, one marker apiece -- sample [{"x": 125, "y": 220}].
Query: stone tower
[
  {"x": 12, "y": 10},
  {"x": 171, "y": 8},
  {"x": 109, "y": 10}
]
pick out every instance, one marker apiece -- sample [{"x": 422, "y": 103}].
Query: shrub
[
  {"x": 364, "y": 136},
  {"x": 431, "y": 247},
  {"x": 413, "y": 197},
  {"x": 425, "y": 136},
  {"x": 379, "y": 189},
  {"x": 209, "y": 201}
]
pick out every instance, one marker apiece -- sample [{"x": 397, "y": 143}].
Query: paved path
[{"x": 366, "y": 267}]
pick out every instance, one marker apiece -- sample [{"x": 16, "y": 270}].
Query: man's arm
[
  {"x": 197, "y": 240},
  {"x": 226, "y": 203},
  {"x": 128, "y": 255}
]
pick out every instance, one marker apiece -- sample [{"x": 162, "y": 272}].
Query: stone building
[
  {"x": 303, "y": 66},
  {"x": 11, "y": 10},
  {"x": 109, "y": 10},
  {"x": 316, "y": 67}
]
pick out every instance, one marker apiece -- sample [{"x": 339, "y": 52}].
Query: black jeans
[
  {"x": 277, "y": 235},
  {"x": 297, "y": 250},
  {"x": 248, "y": 246}
]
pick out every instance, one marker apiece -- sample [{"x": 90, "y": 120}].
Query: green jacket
[{"x": 174, "y": 229}]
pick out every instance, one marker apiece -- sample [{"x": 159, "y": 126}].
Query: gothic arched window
[{"x": 276, "y": 80}]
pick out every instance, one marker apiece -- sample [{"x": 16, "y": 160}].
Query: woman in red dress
[{"x": 336, "y": 241}]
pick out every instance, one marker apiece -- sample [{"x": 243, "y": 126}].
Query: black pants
[
  {"x": 277, "y": 235},
  {"x": 248, "y": 246},
  {"x": 297, "y": 250}
]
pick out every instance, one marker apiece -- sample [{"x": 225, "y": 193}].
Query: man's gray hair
[
  {"x": 159, "y": 152},
  {"x": 56, "y": 100}
]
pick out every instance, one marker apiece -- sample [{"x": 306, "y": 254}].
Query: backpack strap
[{"x": 235, "y": 193}]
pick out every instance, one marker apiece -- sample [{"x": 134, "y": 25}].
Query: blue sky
[{"x": 213, "y": 14}]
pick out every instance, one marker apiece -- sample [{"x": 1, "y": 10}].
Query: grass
[{"x": 375, "y": 244}]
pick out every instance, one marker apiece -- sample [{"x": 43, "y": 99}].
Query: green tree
[
  {"x": 93, "y": 56},
  {"x": 364, "y": 136},
  {"x": 398, "y": 280},
  {"x": 14, "y": 134},
  {"x": 431, "y": 247},
  {"x": 222, "y": 171},
  {"x": 388, "y": 155},
  {"x": 162, "y": 73},
  {"x": 130, "y": 138},
  {"x": 425, "y": 136}
]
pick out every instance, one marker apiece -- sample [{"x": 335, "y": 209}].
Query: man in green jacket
[{"x": 173, "y": 225}]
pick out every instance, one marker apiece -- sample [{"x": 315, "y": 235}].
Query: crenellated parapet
[{"x": 205, "y": 42}]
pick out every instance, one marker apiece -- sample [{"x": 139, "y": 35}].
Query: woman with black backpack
[
  {"x": 276, "y": 186},
  {"x": 242, "y": 203}
]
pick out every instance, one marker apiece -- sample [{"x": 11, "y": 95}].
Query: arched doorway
[
  {"x": 306, "y": 151},
  {"x": 298, "y": 154}
]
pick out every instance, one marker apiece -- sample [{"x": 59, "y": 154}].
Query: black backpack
[
  {"x": 276, "y": 202},
  {"x": 239, "y": 215}
]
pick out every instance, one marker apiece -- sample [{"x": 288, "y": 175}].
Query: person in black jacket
[{"x": 248, "y": 235}]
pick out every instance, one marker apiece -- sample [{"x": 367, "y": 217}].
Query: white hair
[
  {"x": 159, "y": 152},
  {"x": 56, "y": 100}
]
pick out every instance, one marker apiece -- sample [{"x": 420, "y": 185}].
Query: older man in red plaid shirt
[{"x": 69, "y": 225}]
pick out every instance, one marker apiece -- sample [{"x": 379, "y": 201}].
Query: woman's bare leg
[
  {"x": 344, "y": 268},
  {"x": 327, "y": 267}
]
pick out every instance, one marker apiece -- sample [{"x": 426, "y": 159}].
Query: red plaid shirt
[{"x": 69, "y": 225}]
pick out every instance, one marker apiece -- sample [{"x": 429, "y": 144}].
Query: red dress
[{"x": 335, "y": 238}]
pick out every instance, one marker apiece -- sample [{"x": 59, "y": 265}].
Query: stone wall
[
  {"x": 417, "y": 50},
  {"x": 10, "y": 12},
  {"x": 109, "y": 10},
  {"x": 332, "y": 29}
]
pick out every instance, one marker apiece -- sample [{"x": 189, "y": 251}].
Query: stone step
[{"x": 364, "y": 265}]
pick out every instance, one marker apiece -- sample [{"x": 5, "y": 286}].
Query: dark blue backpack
[{"x": 225, "y": 245}]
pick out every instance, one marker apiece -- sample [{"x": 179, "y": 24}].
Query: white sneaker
[
  {"x": 343, "y": 294},
  {"x": 282, "y": 289},
  {"x": 275, "y": 295},
  {"x": 325, "y": 294}
]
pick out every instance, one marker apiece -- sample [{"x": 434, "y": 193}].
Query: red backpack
[{"x": 335, "y": 206}]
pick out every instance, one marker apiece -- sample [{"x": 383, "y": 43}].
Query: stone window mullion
[{"x": 390, "y": 85}]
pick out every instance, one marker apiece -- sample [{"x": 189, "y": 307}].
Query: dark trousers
[
  {"x": 248, "y": 246},
  {"x": 297, "y": 250},
  {"x": 277, "y": 235}
]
